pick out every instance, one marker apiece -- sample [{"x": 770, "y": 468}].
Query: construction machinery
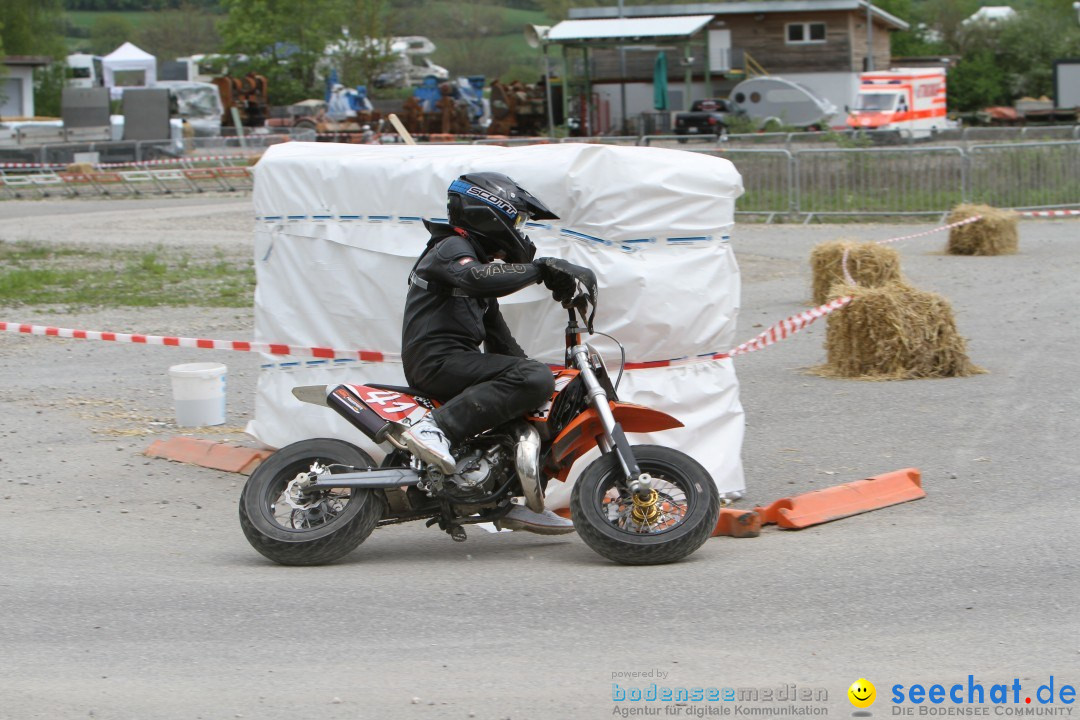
[
  {"x": 247, "y": 94},
  {"x": 517, "y": 108}
]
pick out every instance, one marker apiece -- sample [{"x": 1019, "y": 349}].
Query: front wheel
[
  {"x": 666, "y": 528},
  {"x": 294, "y": 528}
]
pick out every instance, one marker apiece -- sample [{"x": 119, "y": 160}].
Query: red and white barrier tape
[
  {"x": 843, "y": 261},
  {"x": 950, "y": 226},
  {"x": 773, "y": 335},
  {"x": 202, "y": 343},
  {"x": 133, "y": 163},
  {"x": 33, "y": 166},
  {"x": 790, "y": 326},
  {"x": 780, "y": 331},
  {"x": 174, "y": 161},
  {"x": 1050, "y": 213},
  {"x": 843, "y": 266}
]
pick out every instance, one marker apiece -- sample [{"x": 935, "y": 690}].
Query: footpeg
[{"x": 458, "y": 533}]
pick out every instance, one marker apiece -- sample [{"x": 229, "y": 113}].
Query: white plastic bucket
[{"x": 199, "y": 393}]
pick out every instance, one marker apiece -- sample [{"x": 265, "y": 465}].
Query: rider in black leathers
[{"x": 452, "y": 310}]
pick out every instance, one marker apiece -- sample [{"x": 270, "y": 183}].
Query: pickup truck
[{"x": 706, "y": 117}]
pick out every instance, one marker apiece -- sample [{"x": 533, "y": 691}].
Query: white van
[{"x": 84, "y": 71}]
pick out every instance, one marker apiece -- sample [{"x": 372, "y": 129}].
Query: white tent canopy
[{"x": 125, "y": 58}]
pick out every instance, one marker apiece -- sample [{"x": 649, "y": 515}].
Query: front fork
[{"x": 613, "y": 439}]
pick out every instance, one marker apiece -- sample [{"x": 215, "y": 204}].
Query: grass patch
[
  {"x": 85, "y": 19},
  {"x": 36, "y": 274}
]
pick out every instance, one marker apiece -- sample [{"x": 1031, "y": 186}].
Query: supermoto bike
[{"x": 314, "y": 501}]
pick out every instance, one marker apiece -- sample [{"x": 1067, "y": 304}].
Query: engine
[{"x": 481, "y": 470}]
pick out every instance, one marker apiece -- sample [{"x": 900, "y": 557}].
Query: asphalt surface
[{"x": 128, "y": 591}]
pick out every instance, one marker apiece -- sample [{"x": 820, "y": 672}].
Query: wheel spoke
[
  {"x": 294, "y": 510},
  {"x": 672, "y": 504}
]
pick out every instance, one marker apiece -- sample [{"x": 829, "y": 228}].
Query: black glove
[
  {"x": 558, "y": 276},
  {"x": 563, "y": 279}
]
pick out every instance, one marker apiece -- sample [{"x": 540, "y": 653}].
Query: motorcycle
[{"x": 316, "y": 500}]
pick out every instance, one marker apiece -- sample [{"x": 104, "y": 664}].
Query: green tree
[
  {"x": 946, "y": 18},
  {"x": 363, "y": 46},
  {"x": 558, "y": 10},
  {"x": 978, "y": 80},
  {"x": 3, "y": 68},
  {"x": 170, "y": 34},
  {"x": 1005, "y": 61},
  {"x": 31, "y": 27},
  {"x": 110, "y": 32},
  {"x": 49, "y": 84},
  {"x": 282, "y": 40},
  {"x": 1030, "y": 44}
]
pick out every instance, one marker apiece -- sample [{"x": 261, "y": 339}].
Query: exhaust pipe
[{"x": 376, "y": 479}]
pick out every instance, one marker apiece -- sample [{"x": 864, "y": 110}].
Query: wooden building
[{"x": 823, "y": 44}]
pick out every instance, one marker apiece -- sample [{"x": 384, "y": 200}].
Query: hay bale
[
  {"x": 894, "y": 332},
  {"x": 84, "y": 168},
  {"x": 869, "y": 264},
  {"x": 994, "y": 234}
]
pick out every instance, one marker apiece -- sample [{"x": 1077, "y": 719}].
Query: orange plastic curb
[
  {"x": 208, "y": 454},
  {"x": 733, "y": 522},
  {"x": 738, "y": 522},
  {"x": 844, "y": 500}
]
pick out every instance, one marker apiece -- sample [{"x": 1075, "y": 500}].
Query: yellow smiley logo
[{"x": 862, "y": 693}]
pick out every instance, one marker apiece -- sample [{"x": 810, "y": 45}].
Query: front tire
[
  {"x": 602, "y": 507},
  {"x": 326, "y": 526}
]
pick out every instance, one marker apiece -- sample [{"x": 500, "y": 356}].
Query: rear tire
[
  {"x": 692, "y": 497},
  {"x": 331, "y": 525}
]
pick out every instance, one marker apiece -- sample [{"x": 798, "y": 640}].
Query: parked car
[{"x": 706, "y": 117}]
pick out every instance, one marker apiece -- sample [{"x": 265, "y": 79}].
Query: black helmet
[{"x": 493, "y": 209}]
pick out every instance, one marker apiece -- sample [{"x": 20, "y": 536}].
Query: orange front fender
[{"x": 580, "y": 435}]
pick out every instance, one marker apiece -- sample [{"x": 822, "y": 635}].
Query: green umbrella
[{"x": 660, "y": 82}]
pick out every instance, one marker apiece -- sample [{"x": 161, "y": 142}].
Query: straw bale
[
  {"x": 83, "y": 168},
  {"x": 869, "y": 264},
  {"x": 994, "y": 234},
  {"x": 894, "y": 332}
]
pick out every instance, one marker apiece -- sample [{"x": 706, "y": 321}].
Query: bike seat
[{"x": 399, "y": 388}]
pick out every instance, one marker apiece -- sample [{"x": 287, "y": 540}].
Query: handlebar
[{"x": 583, "y": 304}]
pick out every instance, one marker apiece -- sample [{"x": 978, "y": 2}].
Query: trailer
[
  {"x": 909, "y": 99},
  {"x": 772, "y": 101}
]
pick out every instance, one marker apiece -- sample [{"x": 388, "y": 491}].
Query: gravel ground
[{"x": 129, "y": 592}]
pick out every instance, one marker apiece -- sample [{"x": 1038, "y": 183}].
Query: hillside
[{"x": 471, "y": 39}]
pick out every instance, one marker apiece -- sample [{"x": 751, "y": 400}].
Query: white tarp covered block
[{"x": 338, "y": 228}]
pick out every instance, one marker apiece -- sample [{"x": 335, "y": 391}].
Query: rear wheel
[
  {"x": 293, "y": 528},
  {"x": 665, "y": 528}
]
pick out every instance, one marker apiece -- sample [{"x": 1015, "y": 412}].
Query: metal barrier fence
[
  {"x": 110, "y": 151},
  {"x": 801, "y": 181},
  {"x": 879, "y": 138},
  {"x": 1028, "y": 175},
  {"x": 43, "y": 182},
  {"x": 768, "y": 178},
  {"x": 812, "y": 182},
  {"x": 598, "y": 140},
  {"x": 912, "y": 181}
]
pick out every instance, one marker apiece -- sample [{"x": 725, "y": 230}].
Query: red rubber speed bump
[
  {"x": 841, "y": 501},
  {"x": 209, "y": 454}
]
